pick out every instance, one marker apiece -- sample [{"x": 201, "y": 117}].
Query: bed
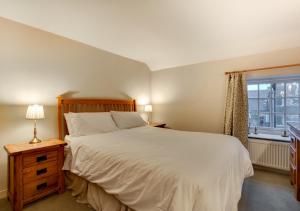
[{"x": 151, "y": 169}]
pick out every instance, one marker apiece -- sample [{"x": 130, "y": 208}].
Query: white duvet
[{"x": 155, "y": 169}]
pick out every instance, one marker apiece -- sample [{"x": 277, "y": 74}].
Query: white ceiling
[{"x": 167, "y": 33}]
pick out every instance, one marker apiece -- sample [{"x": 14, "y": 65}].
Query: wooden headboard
[{"x": 88, "y": 105}]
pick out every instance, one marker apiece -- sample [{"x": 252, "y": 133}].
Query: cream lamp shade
[
  {"x": 35, "y": 112},
  {"x": 148, "y": 108}
]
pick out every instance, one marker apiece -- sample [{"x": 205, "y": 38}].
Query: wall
[
  {"x": 192, "y": 97},
  {"x": 36, "y": 67}
]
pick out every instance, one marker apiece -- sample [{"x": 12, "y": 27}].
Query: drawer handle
[
  {"x": 41, "y": 171},
  {"x": 41, "y": 186},
  {"x": 41, "y": 158}
]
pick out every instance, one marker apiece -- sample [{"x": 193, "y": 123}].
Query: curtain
[{"x": 236, "y": 111}]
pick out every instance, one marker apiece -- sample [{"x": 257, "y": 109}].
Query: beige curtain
[{"x": 236, "y": 112}]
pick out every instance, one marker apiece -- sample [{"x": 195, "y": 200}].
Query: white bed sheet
[{"x": 155, "y": 169}]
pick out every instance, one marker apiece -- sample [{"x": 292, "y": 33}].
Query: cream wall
[
  {"x": 36, "y": 66},
  {"x": 192, "y": 97}
]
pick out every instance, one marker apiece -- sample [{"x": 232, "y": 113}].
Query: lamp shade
[
  {"x": 148, "y": 108},
  {"x": 35, "y": 112}
]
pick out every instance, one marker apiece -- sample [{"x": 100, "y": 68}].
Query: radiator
[{"x": 269, "y": 153}]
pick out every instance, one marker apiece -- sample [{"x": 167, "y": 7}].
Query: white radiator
[{"x": 269, "y": 153}]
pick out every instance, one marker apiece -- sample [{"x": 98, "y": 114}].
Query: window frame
[{"x": 272, "y": 113}]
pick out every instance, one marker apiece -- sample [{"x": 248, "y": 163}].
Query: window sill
[{"x": 269, "y": 137}]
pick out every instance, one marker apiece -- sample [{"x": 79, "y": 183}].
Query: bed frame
[{"x": 88, "y": 105}]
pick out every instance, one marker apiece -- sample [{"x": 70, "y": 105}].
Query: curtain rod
[{"x": 263, "y": 68}]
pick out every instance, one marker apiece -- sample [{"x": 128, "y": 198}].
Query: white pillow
[
  {"x": 89, "y": 123},
  {"x": 68, "y": 117},
  {"x": 126, "y": 120}
]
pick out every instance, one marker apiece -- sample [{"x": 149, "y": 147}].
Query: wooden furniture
[
  {"x": 294, "y": 129},
  {"x": 157, "y": 124},
  {"x": 88, "y": 105},
  {"x": 34, "y": 171}
]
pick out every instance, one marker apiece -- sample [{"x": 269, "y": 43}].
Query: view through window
[{"x": 272, "y": 103}]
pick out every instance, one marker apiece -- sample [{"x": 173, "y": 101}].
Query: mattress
[{"x": 149, "y": 168}]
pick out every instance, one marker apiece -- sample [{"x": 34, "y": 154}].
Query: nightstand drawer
[
  {"x": 40, "y": 186},
  {"x": 39, "y": 171},
  {"x": 38, "y": 158}
]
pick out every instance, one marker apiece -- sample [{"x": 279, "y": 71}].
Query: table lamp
[
  {"x": 35, "y": 112},
  {"x": 148, "y": 110}
]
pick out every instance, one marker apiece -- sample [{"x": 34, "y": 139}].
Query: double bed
[{"x": 151, "y": 169}]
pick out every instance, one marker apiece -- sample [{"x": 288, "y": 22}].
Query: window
[{"x": 272, "y": 103}]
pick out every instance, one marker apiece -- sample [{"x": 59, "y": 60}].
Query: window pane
[
  {"x": 292, "y": 89},
  {"x": 278, "y": 105},
  {"x": 264, "y": 120},
  {"x": 253, "y": 105},
  {"x": 292, "y": 118},
  {"x": 265, "y": 90},
  {"x": 253, "y": 119},
  {"x": 264, "y": 105},
  {"x": 279, "y": 121},
  {"x": 292, "y": 105},
  {"x": 279, "y": 90},
  {"x": 252, "y": 90}
]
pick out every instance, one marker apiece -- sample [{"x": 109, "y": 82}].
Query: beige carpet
[
  {"x": 265, "y": 191},
  {"x": 268, "y": 191}
]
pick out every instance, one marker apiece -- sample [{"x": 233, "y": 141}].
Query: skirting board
[
  {"x": 3, "y": 194},
  {"x": 264, "y": 168}
]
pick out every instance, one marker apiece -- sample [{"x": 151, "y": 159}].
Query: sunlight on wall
[
  {"x": 29, "y": 97},
  {"x": 166, "y": 92},
  {"x": 142, "y": 100}
]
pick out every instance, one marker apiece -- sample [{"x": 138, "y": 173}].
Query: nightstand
[
  {"x": 34, "y": 171},
  {"x": 156, "y": 124}
]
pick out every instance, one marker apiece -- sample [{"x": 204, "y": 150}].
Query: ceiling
[{"x": 167, "y": 33}]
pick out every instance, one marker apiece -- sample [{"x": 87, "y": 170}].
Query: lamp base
[{"x": 35, "y": 140}]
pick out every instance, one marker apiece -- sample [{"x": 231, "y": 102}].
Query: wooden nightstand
[
  {"x": 156, "y": 124},
  {"x": 294, "y": 149},
  {"x": 34, "y": 171}
]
